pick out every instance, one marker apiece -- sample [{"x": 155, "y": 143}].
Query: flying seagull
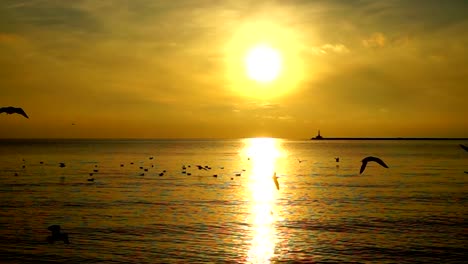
[
  {"x": 464, "y": 147},
  {"x": 13, "y": 110},
  {"x": 368, "y": 159},
  {"x": 275, "y": 179}
]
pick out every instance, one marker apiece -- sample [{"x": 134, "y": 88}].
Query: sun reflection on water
[{"x": 263, "y": 153}]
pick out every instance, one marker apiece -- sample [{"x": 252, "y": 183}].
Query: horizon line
[
  {"x": 227, "y": 138},
  {"x": 389, "y": 138}
]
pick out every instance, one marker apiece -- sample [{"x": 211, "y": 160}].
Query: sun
[
  {"x": 264, "y": 59},
  {"x": 263, "y": 63}
]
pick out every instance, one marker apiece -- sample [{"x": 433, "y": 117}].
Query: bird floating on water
[
  {"x": 200, "y": 167},
  {"x": 57, "y": 235},
  {"x": 13, "y": 110},
  {"x": 368, "y": 159}
]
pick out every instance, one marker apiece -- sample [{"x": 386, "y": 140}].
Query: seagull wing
[
  {"x": 275, "y": 179},
  {"x": 9, "y": 110},
  {"x": 276, "y": 183},
  {"x": 375, "y": 159},
  {"x": 379, "y": 161},
  {"x": 21, "y": 112},
  {"x": 363, "y": 166},
  {"x": 13, "y": 110},
  {"x": 464, "y": 147}
]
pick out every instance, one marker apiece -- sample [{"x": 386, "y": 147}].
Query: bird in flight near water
[
  {"x": 368, "y": 159},
  {"x": 275, "y": 179},
  {"x": 13, "y": 110}
]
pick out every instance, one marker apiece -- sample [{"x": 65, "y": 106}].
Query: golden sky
[{"x": 176, "y": 69}]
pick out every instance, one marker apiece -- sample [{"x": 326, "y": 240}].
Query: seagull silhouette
[
  {"x": 13, "y": 110},
  {"x": 275, "y": 179},
  {"x": 464, "y": 147},
  {"x": 200, "y": 167},
  {"x": 57, "y": 235},
  {"x": 368, "y": 159}
]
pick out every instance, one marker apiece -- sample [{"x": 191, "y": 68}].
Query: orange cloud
[
  {"x": 8, "y": 38},
  {"x": 377, "y": 40},
  {"x": 325, "y": 49}
]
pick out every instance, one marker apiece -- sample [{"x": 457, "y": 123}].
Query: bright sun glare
[
  {"x": 263, "y": 63},
  {"x": 262, "y": 153},
  {"x": 264, "y": 59}
]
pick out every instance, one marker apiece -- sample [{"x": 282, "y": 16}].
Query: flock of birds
[
  {"x": 142, "y": 172},
  {"x": 57, "y": 235},
  {"x": 365, "y": 161},
  {"x": 20, "y": 111}
]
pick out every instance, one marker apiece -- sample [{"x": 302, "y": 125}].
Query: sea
[{"x": 216, "y": 201}]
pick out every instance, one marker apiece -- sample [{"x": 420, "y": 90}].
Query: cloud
[
  {"x": 9, "y": 38},
  {"x": 327, "y": 48},
  {"x": 164, "y": 62},
  {"x": 376, "y": 40},
  {"x": 47, "y": 15}
]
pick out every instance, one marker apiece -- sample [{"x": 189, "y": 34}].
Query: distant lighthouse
[{"x": 318, "y": 136}]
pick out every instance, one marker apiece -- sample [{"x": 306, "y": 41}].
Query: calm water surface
[{"x": 324, "y": 211}]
